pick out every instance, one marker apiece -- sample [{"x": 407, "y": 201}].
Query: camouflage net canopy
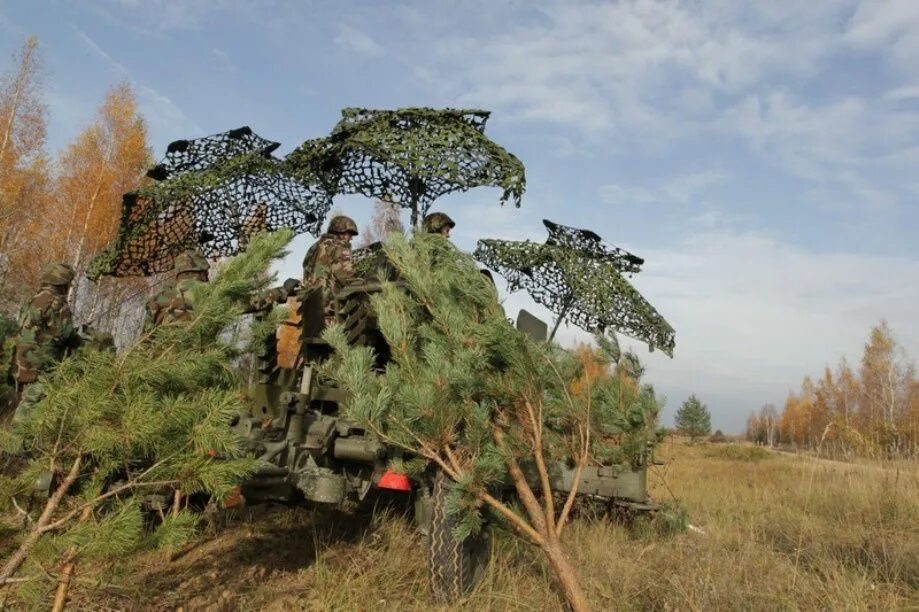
[
  {"x": 212, "y": 194},
  {"x": 411, "y": 157},
  {"x": 579, "y": 278},
  {"x": 591, "y": 245}
]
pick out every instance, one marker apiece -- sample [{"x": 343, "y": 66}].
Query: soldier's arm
[
  {"x": 341, "y": 264},
  {"x": 264, "y": 300},
  {"x": 59, "y": 323}
]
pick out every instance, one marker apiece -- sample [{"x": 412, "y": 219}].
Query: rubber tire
[{"x": 454, "y": 568}]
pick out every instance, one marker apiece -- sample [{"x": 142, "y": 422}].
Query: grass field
[{"x": 780, "y": 532}]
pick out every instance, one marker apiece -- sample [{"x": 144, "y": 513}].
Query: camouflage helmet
[
  {"x": 435, "y": 222},
  {"x": 342, "y": 225},
  {"x": 57, "y": 274},
  {"x": 191, "y": 261}
]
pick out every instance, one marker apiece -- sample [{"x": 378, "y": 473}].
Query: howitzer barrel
[{"x": 358, "y": 448}]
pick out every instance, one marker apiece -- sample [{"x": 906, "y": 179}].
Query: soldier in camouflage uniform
[
  {"x": 175, "y": 303},
  {"x": 438, "y": 223},
  {"x": 46, "y": 331},
  {"x": 327, "y": 265},
  {"x": 46, "y": 335}
]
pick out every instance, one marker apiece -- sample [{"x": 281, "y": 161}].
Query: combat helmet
[
  {"x": 341, "y": 224},
  {"x": 437, "y": 221},
  {"x": 57, "y": 274},
  {"x": 191, "y": 261}
]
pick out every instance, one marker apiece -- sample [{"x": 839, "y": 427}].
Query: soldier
[
  {"x": 438, "y": 223},
  {"x": 46, "y": 331},
  {"x": 175, "y": 303},
  {"x": 46, "y": 335},
  {"x": 327, "y": 265}
]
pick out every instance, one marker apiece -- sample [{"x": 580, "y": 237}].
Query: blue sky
[{"x": 761, "y": 156}]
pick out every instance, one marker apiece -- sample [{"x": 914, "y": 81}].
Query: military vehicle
[
  {"x": 214, "y": 192},
  {"x": 311, "y": 455}
]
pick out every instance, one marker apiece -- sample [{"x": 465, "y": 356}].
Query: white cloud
[
  {"x": 89, "y": 42},
  {"x": 681, "y": 189},
  {"x": 163, "y": 115},
  {"x": 646, "y": 74},
  {"x": 754, "y": 315},
  {"x": 616, "y": 65},
  {"x": 358, "y": 42},
  {"x": 888, "y": 25},
  {"x": 169, "y": 14},
  {"x": 909, "y": 92},
  {"x": 805, "y": 139},
  {"x": 854, "y": 148}
]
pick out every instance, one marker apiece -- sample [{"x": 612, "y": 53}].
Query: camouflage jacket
[
  {"x": 170, "y": 305},
  {"x": 176, "y": 303},
  {"x": 328, "y": 267},
  {"x": 46, "y": 333}
]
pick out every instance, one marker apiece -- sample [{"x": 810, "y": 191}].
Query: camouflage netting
[
  {"x": 214, "y": 192},
  {"x": 211, "y": 193},
  {"x": 366, "y": 259},
  {"x": 580, "y": 279},
  {"x": 411, "y": 156},
  {"x": 591, "y": 245}
]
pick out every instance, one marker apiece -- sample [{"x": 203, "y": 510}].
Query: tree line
[
  {"x": 67, "y": 206},
  {"x": 871, "y": 409}
]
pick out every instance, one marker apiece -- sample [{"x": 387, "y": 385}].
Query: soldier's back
[
  {"x": 45, "y": 330},
  {"x": 327, "y": 267},
  {"x": 172, "y": 304}
]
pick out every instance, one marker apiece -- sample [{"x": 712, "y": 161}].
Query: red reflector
[{"x": 396, "y": 482}]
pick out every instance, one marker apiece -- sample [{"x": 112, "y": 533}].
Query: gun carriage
[{"x": 311, "y": 455}]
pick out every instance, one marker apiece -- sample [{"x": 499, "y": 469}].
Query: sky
[{"x": 762, "y": 157}]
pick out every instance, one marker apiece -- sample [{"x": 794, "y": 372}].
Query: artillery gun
[
  {"x": 310, "y": 454},
  {"x": 213, "y": 193}
]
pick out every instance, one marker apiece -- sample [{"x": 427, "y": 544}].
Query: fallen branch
[
  {"x": 16, "y": 580},
  {"x": 695, "y": 529},
  {"x": 67, "y": 568}
]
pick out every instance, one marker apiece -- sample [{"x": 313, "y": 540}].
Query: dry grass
[{"x": 781, "y": 532}]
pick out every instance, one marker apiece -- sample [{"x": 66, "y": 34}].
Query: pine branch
[{"x": 14, "y": 562}]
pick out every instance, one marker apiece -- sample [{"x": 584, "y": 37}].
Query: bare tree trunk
[
  {"x": 550, "y": 543},
  {"x": 566, "y": 575},
  {"x": 20, "y": 84},
  {"x": 63, "y": 584},
  {"x": 89, "y": 212},
  {"x": 14, "y": 108},
  {"x": 542, "y": 518}
]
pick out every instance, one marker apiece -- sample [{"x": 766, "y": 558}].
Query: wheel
[{"x": 454, "y": 568}]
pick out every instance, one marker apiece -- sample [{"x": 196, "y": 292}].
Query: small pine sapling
[
  {"x": 693, "y": 419},
  {"x": 113, "y": 428},
  {"x": 466, "y": 393}
]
